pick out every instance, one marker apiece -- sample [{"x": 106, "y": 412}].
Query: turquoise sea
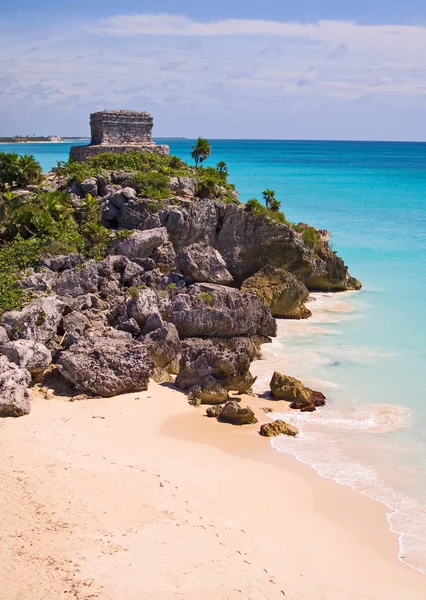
[{"x": 365, "y": 350}]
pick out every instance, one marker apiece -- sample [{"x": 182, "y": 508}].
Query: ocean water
[{"x": 365, "y": 350}]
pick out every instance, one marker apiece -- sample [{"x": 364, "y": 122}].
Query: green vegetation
[
  {"x": 309, "y": 234},
  {"x": 257, "y": 209},
  {"x": 18, "y": 171},
  {"x": 171, "y": 286},
  {"x": 206, "y": 297},
  {"x": 201, "y": 151},
  {"x": 221, "y": 168},
  {"x": 39, "y": 224},
  {"x": 268, "y": 196},
  {"x": 153, "y": 185}
]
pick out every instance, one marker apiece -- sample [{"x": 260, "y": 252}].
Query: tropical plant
[
  {"x": 222, "y": 168},
  {"x": 18, "y": 171},
  {"x": 268, "y": 196},
  {"x": 275, "y": 205},
  {"x": 201, "y": 151}
]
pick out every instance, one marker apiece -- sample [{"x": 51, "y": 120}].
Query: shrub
[
  {"x": 206, "y": 297},
  {"x": 309, "y": 234},
  {"x": 18, "y": 171},
  {"x": 153, "y": 185}
]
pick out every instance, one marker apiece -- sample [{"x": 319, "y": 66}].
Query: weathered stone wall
[
  {"x": 80, "y": 153},
  {"x": 121, "y": 127}
]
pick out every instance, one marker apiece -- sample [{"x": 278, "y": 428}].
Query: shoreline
[{"x": 142, "y": 494}]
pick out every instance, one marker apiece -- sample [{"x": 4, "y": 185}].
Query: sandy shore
[{"x": 141, "y": 496}]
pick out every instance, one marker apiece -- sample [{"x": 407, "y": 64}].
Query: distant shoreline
[{"x": 45, "y": 142}]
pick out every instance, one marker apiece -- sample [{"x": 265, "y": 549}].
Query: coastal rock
[
  {"x": 292, "y": 390},
  {"x": 38, "y": 321},
  {"x": 163, "y": 345},
  {"x": 14, "y": 397},
  {"x": 4, "y": 338},
  {"x": 33, "y": 356},
  {"x": 214, "y": 411},
  {"x": 164, "y": 257},
  {"x": 233, "y": 413},
  {"x": 183, "y": 186},
  {"x": 139, "y": 244},
  {"x": 142, "y": 306},
  {"x": 40, "y": 281},
  {"x": 213, "y": 310},
  {"x": 208, "y": 370},
  {"x": 89, "y": 186},
  {"x": 280, "y": 291},
  {"x": 62, "y": 262},
  {"x": 107, "y": 365},
  {"x": 278, "y": 427},
  {"x": 202, "y": 263}
]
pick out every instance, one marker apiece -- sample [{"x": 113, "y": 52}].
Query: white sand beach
[{"x": 142, "y": 496}]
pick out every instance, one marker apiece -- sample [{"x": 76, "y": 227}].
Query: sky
[{"x": 271, "y": 69}]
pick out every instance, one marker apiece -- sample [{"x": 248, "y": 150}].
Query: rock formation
[
  {"x": 278, "y": 427},
  {"x": 117, "y": 131},
  {"x": 291, "y": 389},
  {"x": 233, "y": 413}
]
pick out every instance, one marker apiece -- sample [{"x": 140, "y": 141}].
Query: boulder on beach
[
  {"x": 292, "y": 390},
  {"x": 233, "y": 413},
  {"x": 278, "y": 427},
  {"x": 280, "y": 291},
  {"x": 202, "y": 263},
  {"x": 14, "y": 397}
]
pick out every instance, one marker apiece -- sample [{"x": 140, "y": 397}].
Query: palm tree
[
  {"x": 221, "y": 168},
  {"x": 201, "y": 151},
  {"x": 29, "y": 170},
  {"x": 275, "y": 205},
  {"x": 268, "y": 196}
]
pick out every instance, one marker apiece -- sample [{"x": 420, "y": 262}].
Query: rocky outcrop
[
  {"x": 28, "y": 354},
  {"x": 278, "y": 427},
  {"x": 201, "y": 263},
  {"x": 140, "y": 244},
  {"x": 14, "y": 397},
  {"x": 209, "y": 310},
  {"x": 292, "y": 390},
  {"x": 107, "y": 365},
  {"x": 280, "y": 291},
  {"x": 208, "y": 370},
  {"x": 163, "y": 345},
  {"x": 214, "y": 411},
  {"x": 233, "y": 413},
  {"x": 38, "y": 321}
]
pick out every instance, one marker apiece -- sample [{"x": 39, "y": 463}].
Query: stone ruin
[{"x": 117, "y": 131}]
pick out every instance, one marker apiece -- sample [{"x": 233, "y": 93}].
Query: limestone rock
[
  {"x": 14, "y": 398},
  {"x": 163, "y": 345},
  {"x": 33, "y": 356},
  {"x": 202, "y": 263},
  {"x": 89, "y": 186},
  {"x": 38, "y": 321},
  {"x": 208, "y": 370},
  {"x": 280, "y": 291},
  {"x": 107, "y": 365},
  {"x": 213, "y": 310},
  {"x": 214, "y": 411},
  {"x": 183, "y": 186},
  {"x": 142, "y": 306},
  {"x": 39, "y": 281},
  {"x": 140, "y": 244},
  {"x": 291, "y": 389},
  {"x": 233, "y": 413},
  {"x": 278, "y": 427},
  {"x": 4, "y": 338},
  {"x": 62, "y": 262}
]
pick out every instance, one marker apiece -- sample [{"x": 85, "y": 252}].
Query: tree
[
  {"x": 221, "y": 168},
  {"x": 201, "y": 151},
  {"x": 275, "y": 205},
  {"x": 18, "y": 170},
  {"x": 268, "y": 196}
]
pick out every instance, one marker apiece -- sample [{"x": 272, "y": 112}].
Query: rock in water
[
  {"x": 14, "y": 398},
  {"x": 291, "y": 389},
  {"x": 278, "y": 428},
  {"x": 233, "y": 413},
  {"x": 280, "y": 291},
  {"x": 204, "y": 264},
  {"x": 107, "y": 365}
]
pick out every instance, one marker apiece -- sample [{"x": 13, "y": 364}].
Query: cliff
[{"x": 128, "y": 274}]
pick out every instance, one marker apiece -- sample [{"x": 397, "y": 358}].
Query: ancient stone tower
[{"x": 119, "y": 130}]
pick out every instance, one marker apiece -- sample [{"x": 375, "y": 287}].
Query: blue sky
[{"x": 311, "y": 69}]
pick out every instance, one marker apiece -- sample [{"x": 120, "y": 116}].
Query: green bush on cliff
[
  {"x": 39, "y": 224},
  {"x": 18, "y": 171},
  {"x": 309, "y": 234},
  {"x": 257, "y": 209},
  {"x": 153, "y": 185}
]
